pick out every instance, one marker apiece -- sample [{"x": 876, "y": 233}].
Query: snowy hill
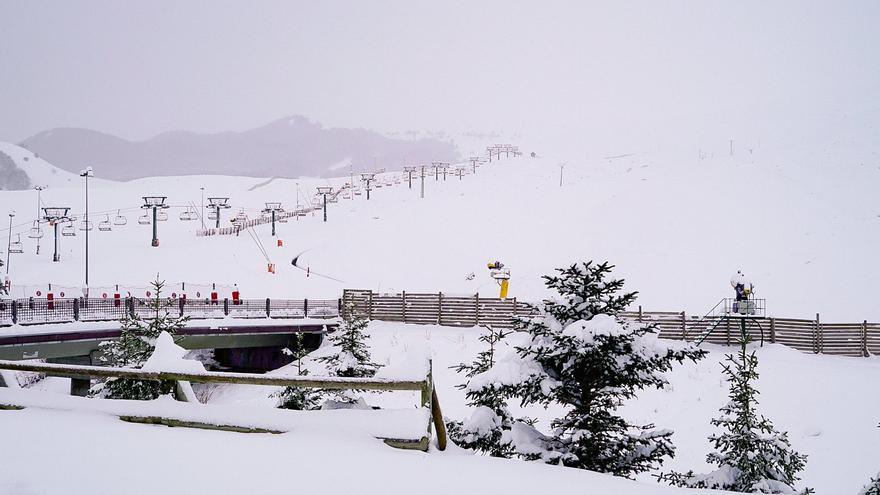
[
  {"x": 39, "y": 171},
  {"x": 288, "y": 147},
  {"x": 803, "y": 227}
]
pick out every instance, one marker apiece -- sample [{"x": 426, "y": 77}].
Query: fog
[{"x": 615, "y": 76}]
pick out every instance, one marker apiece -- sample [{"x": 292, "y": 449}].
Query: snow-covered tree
[
  {"x": 491, "y": 416},
  {"x": 299, "y": 398},
  {"x": 350, "y": 354},
  {"x": 872, "y": 488},
  {"x": 582, "y": 357},
  {"x": 135, "y": 345},
  {"x": 751, "y": 455}
]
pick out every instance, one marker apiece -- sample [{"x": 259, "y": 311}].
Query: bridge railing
[{"x": 35, "y": 311}]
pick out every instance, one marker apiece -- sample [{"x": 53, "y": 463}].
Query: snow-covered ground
[
  {"x": 826, "y": 404},
  {"x": 801, "y": 223}
]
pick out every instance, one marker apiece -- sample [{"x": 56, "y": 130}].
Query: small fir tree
[
  {"x": 351, "y": 356},
  {"x": 751, "y": 455},
  {"x": 872, "y": 488},
  {"x": 491, "y": 417},
  {"x": 135, "y": 345},
  {"x": 299, "y": 398},
  {"x": 581, "y": 356}
]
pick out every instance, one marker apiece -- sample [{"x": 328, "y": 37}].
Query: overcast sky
[{"x": 647, "y": 69}]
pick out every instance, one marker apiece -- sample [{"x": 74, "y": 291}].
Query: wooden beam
[{"x": 329, "y": 382}]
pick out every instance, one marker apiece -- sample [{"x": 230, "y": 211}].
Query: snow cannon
[
  {"x": 236, "y": 297},
  {"x": 501, "y": 275},
  {"x": 744, "y": 291}
]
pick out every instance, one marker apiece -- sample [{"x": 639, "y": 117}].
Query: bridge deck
[{"x": 80, "y": 339}]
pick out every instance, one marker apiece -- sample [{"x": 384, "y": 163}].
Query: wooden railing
[{"x": 425, "y": 386}]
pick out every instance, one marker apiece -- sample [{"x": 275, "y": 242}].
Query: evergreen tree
[
  {"x": 581, "y": 356},
  {"x": 491, "y": 417},
  {"x": 872, "y": 488},
  {"x": 351, "y": 356},
  {"x": 751, "y": 455},
  {"x": 135, "y": 345},
  {"x": 299, "y": 398}
]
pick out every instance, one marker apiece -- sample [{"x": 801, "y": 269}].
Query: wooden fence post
[
  {"x": 772, "y": 330},
  {"x": 640, "y": 313},
  {"x": 477, "y": 309},
  {"x": 684, "y": 334},
  {"x": 268, "y": 308},
  {"x": 370, "y": 306},
  {"x": 817, "y": 336},
  {"x": 727, "y": 341},
  {"x": 439, "y": 308},
  {"x": 305, "y": 308},
  {"x": 403, "y": 304},
  {"x": 865, "y": 338}
]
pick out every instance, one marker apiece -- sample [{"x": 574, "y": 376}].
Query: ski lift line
[{"x": 259, "y": 244}]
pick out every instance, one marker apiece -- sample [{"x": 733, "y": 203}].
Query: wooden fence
[
  {"x": 846, "y": 339},
  {"x": 435, "y": 308}
]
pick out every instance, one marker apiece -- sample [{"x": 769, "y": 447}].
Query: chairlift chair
[
  {"x": 188, "y": 215},
  {"x": 105, "y": 225},
  {"x": 36, "y": 232},
  {"x": 85, "y": 225},
  {"x": 15, "y": 246},
  {"x": 144, "y": 219},
  {"x": 119, "y": 220},
  {"x": 68, "y": 230},
  {"x": 212, "y": 215},
  {"x": 161, "y": 216}
]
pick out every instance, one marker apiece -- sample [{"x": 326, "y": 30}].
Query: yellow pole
[{"x": 504, "y": 284}]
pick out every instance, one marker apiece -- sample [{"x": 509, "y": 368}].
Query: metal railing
[{"x": 35, "y": 311}]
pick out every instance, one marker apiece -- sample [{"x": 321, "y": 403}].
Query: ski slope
[{"x": 803, "y": 226}]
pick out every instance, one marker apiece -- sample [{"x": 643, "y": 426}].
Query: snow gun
[{"x": 501, "y": 275}]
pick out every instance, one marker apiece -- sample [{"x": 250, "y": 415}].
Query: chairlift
[
  {"x": 36, "y": 232},
  {"x": 105, "y": 225},
  {"x": 357, "y": 192},
  {"x": 212, "y": 215},
  {"x": 144, "y": 219},
  {"x": 68, "y": 230},
  {"x": 161, "y": 216},
  {"x": 85, "y": 225},
  {"x": 119, "y": 220},
  {"x": 188, "y": 215},
  {"x": 15, "y": 247}
]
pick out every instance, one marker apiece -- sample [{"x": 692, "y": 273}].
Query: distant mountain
[{"x": 291, "y": 147}]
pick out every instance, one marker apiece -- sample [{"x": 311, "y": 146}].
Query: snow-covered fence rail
[
  {"x": 424, "y": 385},
  {"x": 33, "y": 311},
  {"x": 435, "y": 308},
  {"x": 808, "y": 335}
]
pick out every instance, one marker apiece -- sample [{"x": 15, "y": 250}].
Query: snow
[
  {"x": 822, "y": 401},
  {"x": 808, "y": 208},
  {"x": 169, "y": 357}
]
